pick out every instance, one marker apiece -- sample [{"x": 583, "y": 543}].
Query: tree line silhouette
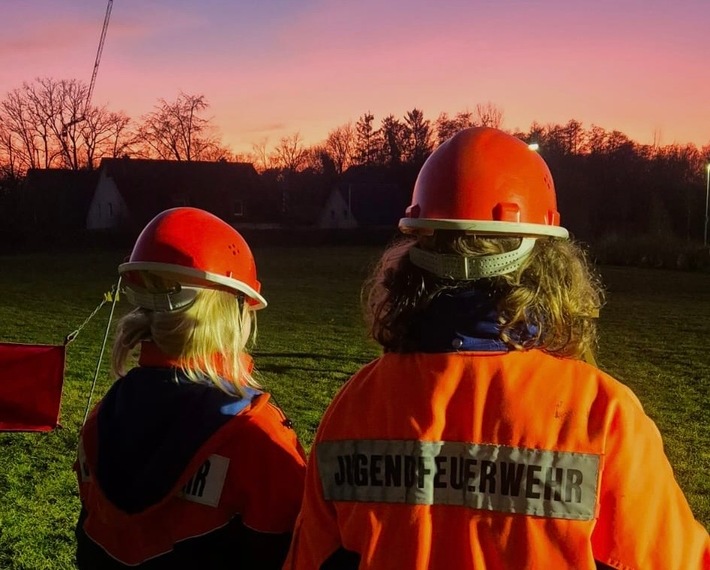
[{"x": 609, "y": 186}]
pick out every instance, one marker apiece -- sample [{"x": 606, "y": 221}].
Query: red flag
[{"x": 31, "y": 378}]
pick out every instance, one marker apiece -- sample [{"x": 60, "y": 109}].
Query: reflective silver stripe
[
  {"x": 83, "y": 463},
  {"x": 558, "y": 484},
  {"x": 205, "y": 486}
]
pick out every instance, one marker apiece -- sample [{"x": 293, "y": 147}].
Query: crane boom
[
  {"x": 90, "y": 92},
  {"x": 99, "y": 51}
]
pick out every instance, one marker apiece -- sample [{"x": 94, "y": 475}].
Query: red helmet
[
  {"x": 484, "y": 181},
  {"x": 191, "y": 249}
]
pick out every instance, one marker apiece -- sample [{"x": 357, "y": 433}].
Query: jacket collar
[{"x": 462, "y": 322}]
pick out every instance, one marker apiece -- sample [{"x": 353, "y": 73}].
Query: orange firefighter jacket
[
  {"x": 168, "y": 466},
  {"x": 488, "y": 460}
]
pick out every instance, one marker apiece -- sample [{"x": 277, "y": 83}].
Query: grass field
[{"x": 655, "y": 338}]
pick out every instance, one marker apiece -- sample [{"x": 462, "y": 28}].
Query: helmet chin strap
[{"x": 472, "y": 268}]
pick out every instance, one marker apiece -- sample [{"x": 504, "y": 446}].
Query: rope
[
  {"x": 107, "y": 297},
  {"x": 111, "y": 297}
]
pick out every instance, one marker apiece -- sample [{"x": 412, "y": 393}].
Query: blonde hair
[
  {"x": 554, "y": 293},
  {"x": 208, "y": 338}
]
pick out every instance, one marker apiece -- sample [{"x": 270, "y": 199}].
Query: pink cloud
[{"x": 27, "y": 40}]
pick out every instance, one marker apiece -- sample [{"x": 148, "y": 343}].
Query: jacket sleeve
[
  {"x": 316, "y": 537},
  {"x": 272, "y": 472},
  {"x": 644, "y": 522}
]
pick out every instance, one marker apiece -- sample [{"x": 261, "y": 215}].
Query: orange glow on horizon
[{"x": 310, "y": 66}]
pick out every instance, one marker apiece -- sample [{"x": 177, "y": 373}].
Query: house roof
[
  {"x": 375, "y": 198},
  {"x": 61, "y": 196},
  {"x": 150, "y": 186}
]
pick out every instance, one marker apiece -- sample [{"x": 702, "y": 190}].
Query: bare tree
[
  {"x": 18, "y": 136},
  {"x": 262, "y": 157},
  {"x": 46, "y": 124},
  {"x": 106, "y": 134},
  {"x": 290, "y": 154},
  {"x": 176, "y": 130},
  {"x": 212, "y": 150},
  {"x": 34, "y": 117},
  {"x": 27, "y": 120},
  {"x": 340, "y": 145},
  {"x": 9, "y": 161},
  {"x": 67, "y": 100},
  {"x": 489, "y": 115},
  {"x": 46, "y": 111}
]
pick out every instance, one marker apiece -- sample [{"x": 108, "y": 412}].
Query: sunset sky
[{"x": 271, "y": 68}]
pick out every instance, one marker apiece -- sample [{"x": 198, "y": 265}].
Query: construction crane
[{"x": 99, "y": 51}]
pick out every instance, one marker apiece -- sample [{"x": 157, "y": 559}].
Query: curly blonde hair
[
  {"x": 208, "y": 338},
  {"x": 555, "y": 292}
]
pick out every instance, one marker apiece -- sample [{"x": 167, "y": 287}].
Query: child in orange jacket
[
  {"x": 186, "y": 463},
  {"x": 481, "y": 439}
]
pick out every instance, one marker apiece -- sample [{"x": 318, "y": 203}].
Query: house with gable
[
  {"x": 366, "y": 197},
  {"x": 130, "y": 192}
]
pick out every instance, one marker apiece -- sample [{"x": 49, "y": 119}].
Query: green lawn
[{"x": 655, "y": 332}]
